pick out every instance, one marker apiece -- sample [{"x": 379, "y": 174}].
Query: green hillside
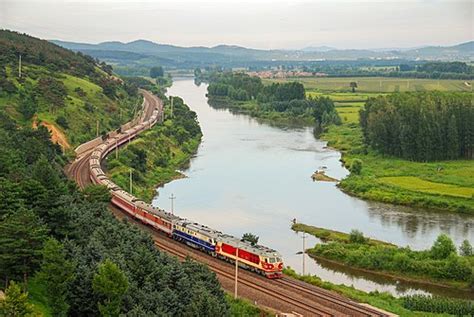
[{"x": 68, "y": 92}]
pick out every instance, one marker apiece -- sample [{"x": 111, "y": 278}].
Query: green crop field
[
  {"x": 417, "y": 184},
  {"x": 377, "y": 84}
]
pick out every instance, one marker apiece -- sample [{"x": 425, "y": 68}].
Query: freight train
[{"x": 256, "y": 258}]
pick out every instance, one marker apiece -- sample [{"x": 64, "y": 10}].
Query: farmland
[
  {"x": 377, "y": 84},
  {"x": 442, "y": 185}
]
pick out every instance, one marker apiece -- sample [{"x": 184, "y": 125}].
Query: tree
[
  {"x": 357, "y": 236},
  {"x": 466, "y": 248},
  {"x": 111, "y": 284},
  {"x": 156, "y": 71},
  {"x": 353, "y": 86},
  {"x": 21, "y": 240},
  {"x": 98, "y": 193},
  {"x": 442, "y": 247},
  {"x": 250, "y": 237},
  {"x": 356, "y": 166},
  {"x": 197, "y": 72},
  {"x": 15, "y": 303},
  {"x": 56, "y": 273}
]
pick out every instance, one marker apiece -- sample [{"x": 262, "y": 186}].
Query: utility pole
[
  {"x": 304, "y": 251},
  {"x": 171, "y": 99},
  {"x": 131, "y": 181},
  {"x": 116, "y": 149},
  {"x": 97, "y": 128},
  {"x": 236, "y": 270},
  {"x": 19, "y": 67},
  {"x": 172, "y": 198}
]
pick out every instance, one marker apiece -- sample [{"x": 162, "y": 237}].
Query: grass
[
  {"x": 444, "y": 185},
  {"x": 81, "y": 123},
  {"x": 383, "y": 301},
  {"x": 417, "y": 184},
  {"x": 244, "y": 308},
  {"x": 328, "y": 235},
  {"x": 377, "y": 84}
]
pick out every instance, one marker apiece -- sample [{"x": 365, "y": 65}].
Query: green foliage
[
  {"x": 442, "y": 247},
  {"x": 97, "y": 193},
  {"x": 357, "y": 236},
  {"x": 62, "y": 122},
  {"x": 156, "y": 71},
  {"x": 441, "y": 263},
  {"x": 159, "y": 152},
  {"x": 56, "y": 274},
  {"x": 52, "y": 91},
  {"x": 420, "y": 126},
  {"x": 15, "y": 303},
  {"x": 356, "y": 166},
  {"x": 111, "y": 284},
  {"x": 466, "y": 248},
  {"x": 436, "y": 304},
  {"x": 250, "y": 237},
  {"x": 21, "y": 239}
]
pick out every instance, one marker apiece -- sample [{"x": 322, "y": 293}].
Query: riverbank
[
  {"x": 157, "y": 155},
  {"x": 439, "y": 266},
  {"x": 399, "y": 306},
  {"x": 252, "y": 108}
]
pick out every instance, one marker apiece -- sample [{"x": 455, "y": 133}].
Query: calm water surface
[{"x": 252, "y": 177}]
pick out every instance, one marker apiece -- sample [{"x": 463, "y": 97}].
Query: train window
[
  {"x": 279, "y": 260},
  {"x": 272, "y": 260}
]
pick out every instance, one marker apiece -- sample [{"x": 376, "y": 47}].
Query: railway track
[{"x": 281, "y": 295}]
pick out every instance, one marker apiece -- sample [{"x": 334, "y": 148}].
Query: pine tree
[
  {"x": 56, "y": 274},
  {"x": 15, "y": 303},
  {"x": 111, "y": 284},
  {"x": 21, "y": 240}
]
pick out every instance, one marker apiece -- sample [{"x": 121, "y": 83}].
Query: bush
[
  {"x": 356, "y": 166},
  {"x": 357, "y": 236},
  {"x": 62, "y": 122},
  {"x": 466, "y": 248},
  {"x": 442, "y": 247}
]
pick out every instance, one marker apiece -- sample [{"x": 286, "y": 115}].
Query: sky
[{"x": 264, "y": 24}]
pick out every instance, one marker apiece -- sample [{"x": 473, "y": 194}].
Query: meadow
[
  {"x": 377, "y": 84},
  {"x": 441, "y": 185}
]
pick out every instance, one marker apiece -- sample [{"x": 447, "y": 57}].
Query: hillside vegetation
[
  {"x": 157, "y": 154},
  {"x": 72, "y": 94}
]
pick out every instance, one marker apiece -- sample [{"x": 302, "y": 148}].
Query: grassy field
[
  {"x": 377, "y": 84},
  {"x": 445, "y": 185}
]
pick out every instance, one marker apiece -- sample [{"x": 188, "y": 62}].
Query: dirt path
[{"x": 56, "y": 135}]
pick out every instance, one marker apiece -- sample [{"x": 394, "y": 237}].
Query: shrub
[
  {"x": 442, "y": 247},
  {"x": 62, "y": 121},
  {"x": 357, "y": 236},
  {"x": 466, "y": 248},
  {"x": 356, "y": 166}
]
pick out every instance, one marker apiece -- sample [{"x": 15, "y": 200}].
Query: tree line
[
  {"x": 289, "y": 97},
  {"x": 424, "y": 126},
  {"x": 68, "y": 241}
]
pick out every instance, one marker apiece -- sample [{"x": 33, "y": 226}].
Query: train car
[
  {"x": 196, "y": 235},
  {"x": 256, "y": 258},
  {"x": 155, "y": 217}
]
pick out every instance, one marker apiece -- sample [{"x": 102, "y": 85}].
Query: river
[{"x": 249, "y": 176}]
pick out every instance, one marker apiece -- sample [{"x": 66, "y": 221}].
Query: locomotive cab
[{"x": 272, "y": 266}]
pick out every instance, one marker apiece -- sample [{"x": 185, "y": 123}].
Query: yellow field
[{"x": 420, "y": 185}]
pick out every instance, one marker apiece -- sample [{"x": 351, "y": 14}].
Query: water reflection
[{"x": 249, "y": 176}]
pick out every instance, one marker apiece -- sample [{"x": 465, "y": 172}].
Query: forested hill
[{"x": 69, "y": 93}]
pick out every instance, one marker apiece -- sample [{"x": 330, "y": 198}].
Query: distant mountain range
[{"x": 144, "y": 52}]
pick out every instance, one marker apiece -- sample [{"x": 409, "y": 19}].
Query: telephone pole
[
  {"x": 236, "y": 270},
  {"x": 131, "y": 181},
  {"x": 172, "y": 198},
  {"x": 304, "y": 251},
  {"x": 97, "y": 128},
  {"x": 171, "y": 99},
  {"x": 116, "y": 148},
  {"x": 19, "y": 67}
]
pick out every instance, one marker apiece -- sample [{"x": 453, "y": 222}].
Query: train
[{"x": 253, "y": 257}]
